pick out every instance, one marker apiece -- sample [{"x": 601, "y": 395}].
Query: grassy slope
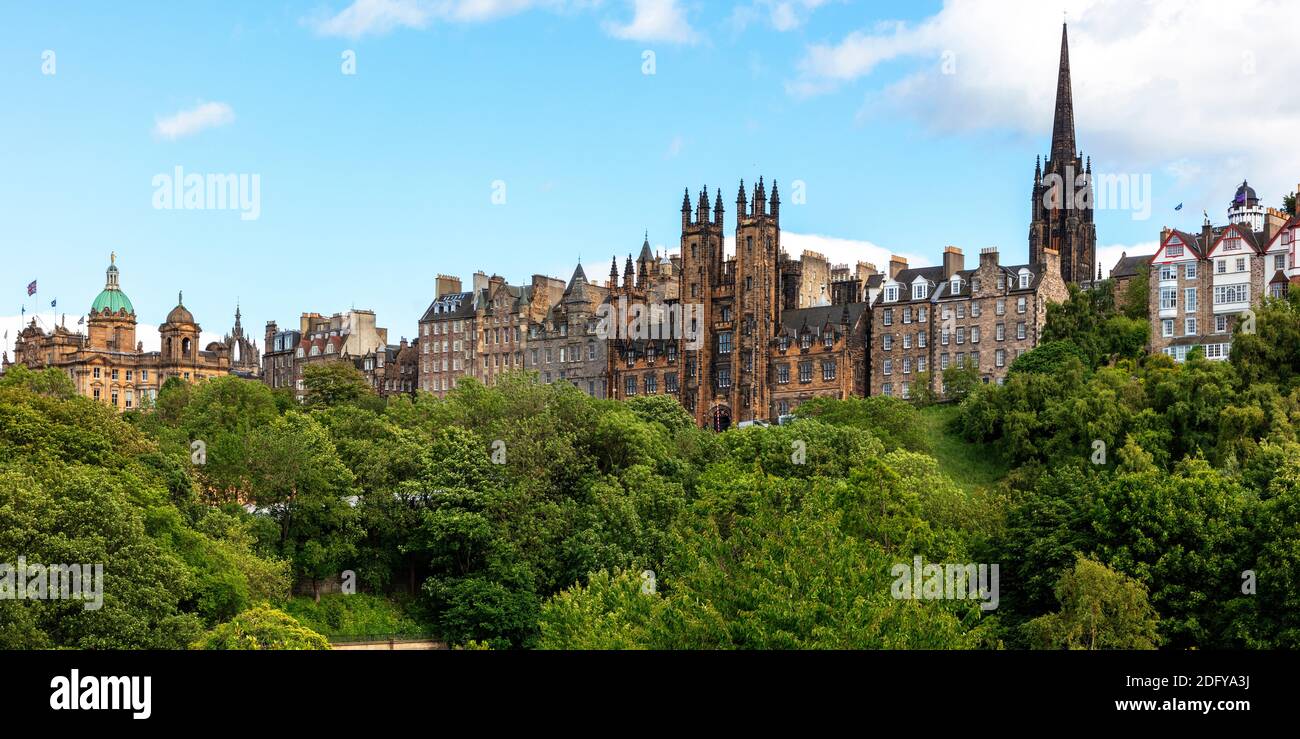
[{"x": 970, "y": 465}]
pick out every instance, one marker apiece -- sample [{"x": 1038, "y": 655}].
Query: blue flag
[{"x": 1178, "y": 207}]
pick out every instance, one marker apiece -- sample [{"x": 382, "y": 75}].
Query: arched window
[{"x": 185, "y": 347}]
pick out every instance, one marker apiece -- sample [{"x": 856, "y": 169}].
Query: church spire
[{"x": 1063, "y": 145}]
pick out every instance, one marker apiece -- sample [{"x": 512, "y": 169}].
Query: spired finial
[{"x": 180, "y": 298}]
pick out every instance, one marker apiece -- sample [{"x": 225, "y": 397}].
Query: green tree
[
  {"x": 1100, "y": 609},
  {"x": 335, "y": 383},
  {"x": 262, "y": 627},
  {"x": 961, "y": 379}
]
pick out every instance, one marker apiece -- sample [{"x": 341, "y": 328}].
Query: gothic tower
[
  {"x": 703, "y": 265},
  {"x": 1062, "y": 203},
  {"x": 758, "y": 299}
]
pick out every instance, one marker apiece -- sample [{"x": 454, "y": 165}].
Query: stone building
[
  {"x": 391, "y": 370},
  {"x": 447, "y": 338},
  {"x": 929, "y": 319},
  {"x": 503, "y": 314},
  {"x": 1062, "y": 200},
  {"x": 564, "y": 346},
  {"x": 278, "y": 361},
  {"x": 643, "y": 328},
  {"x": 1124, "y": 272},
  {"x": 342, "y": 337},
  {"x": 1203, "y": 284},
  {"x": 819, "y": 352},
  {"x": 735, "y": 323},
  {"x": 108, "y": 364}
]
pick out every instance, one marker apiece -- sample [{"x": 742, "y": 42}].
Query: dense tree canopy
[{"x": 1135, "y": 503}]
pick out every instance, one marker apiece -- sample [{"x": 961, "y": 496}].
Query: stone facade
[
  {"x": 504, "y": 314},
  {"x": 928, "y": 319},
  {"x": 819, "y": 352},
  {"x": 278, "y": 360},
  {"x": 564, "y": 347},
  {"x": 740, "y": 321},
  {"x": 1203, "y": 284},
  {"x": 342, "y": 337},
  {"x": 108, "y": 364},
  {"x": 643, "y": 359},
  {"x": 1123, "y": 274},
  {"x": 447, "y": 338},
  {"x": 392, "y": 370}
]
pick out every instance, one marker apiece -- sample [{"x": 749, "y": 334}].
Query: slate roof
[{"x": 1130, "y": 266}]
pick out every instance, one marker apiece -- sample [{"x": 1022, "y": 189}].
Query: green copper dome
[{"x": 112, "y": 298}]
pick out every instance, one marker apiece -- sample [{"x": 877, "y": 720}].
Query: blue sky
[{"x": 373, "y": 183}]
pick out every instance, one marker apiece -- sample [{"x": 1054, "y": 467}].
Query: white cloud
[
  {"x": 655, "y": 20},
  {"x": 190, "y": 122},
  {"x": 675, "y": 147},
  {"x": 145, "y": 333},
  {"x": 782, "y": 15},
  {"x": 378, "y": 17},
  {"x": 1189, "y": 85},
  {"x": 1108, "y": 256}
]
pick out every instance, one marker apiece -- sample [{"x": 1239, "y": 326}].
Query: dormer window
[
  {"x": 919, "y": 290},
  {"x": 1024, "y": 280},
  {"x": 955, "y": 285},
  {"x": 891, "y": 293}
]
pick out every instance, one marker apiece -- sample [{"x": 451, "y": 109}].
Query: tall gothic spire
[{"x": 1063, "y": 145}]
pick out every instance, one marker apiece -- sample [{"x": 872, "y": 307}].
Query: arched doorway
[{"x": 721, "y": 418}]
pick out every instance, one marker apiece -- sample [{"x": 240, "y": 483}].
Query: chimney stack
[
  {"x": 1052, "y": 261},
  {"x": 953, "y": 261},
  {"x": 446, "y": 285},
  {"x": 989, "y": 257},
  {"x": 896, "y": 264}
]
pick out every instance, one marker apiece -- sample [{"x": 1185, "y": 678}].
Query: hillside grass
[{"x": 970, "y": 465}]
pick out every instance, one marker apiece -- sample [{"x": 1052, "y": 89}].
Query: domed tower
[
  {"x": 1245, "y": 208},
  {"x": 112, "y": 317},
  {"x": 180, "y": 335}
]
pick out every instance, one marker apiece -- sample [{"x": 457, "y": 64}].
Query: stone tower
[
  {"x": 112, "y": 317},
  {"x": 180, "y": 335},
  {"x": 737, "y": 302},
  {"x": 1062, "y": 203},
  {"x": 758, "y": 298},
  {"x": 703, "y": 263}
]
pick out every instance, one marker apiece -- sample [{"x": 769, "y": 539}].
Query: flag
[
  {"x": 81, "y": 320},
  {"x": 54, "y": 303},
  {"x": 31, "y": 287},
  {"x": 1178, "y": 207}
]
